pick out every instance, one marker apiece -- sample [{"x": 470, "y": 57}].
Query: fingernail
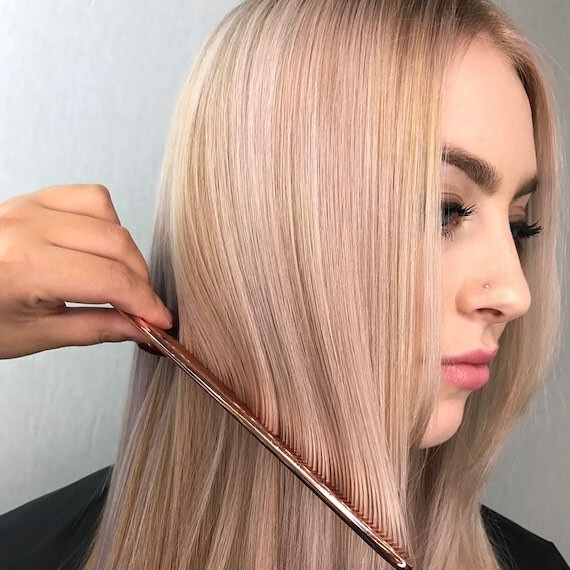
[
  {"x": 174, "y": 319},
  {"x": 173, "y": 332},
  {"x": 147, "y": 347}
]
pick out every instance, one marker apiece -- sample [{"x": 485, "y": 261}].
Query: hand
[{"x": 66, "y": 243}]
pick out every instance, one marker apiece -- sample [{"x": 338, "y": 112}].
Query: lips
[
  {"x": 480, "y": 356},
  {"x": 466, "y": 376}
]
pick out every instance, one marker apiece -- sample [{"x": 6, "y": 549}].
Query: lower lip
[{"x": 466, "y": 376}]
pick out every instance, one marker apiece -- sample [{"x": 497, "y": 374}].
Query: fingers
[
  {"x": 87, "y": 199},
  {"x": 92, "y": 235},
  {"x": 82, "y": 326},
  {"x": 86, "y": 278},
  {"x": 66, "y": 244}
]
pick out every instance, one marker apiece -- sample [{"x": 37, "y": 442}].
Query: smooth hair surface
[{"x": 298, "y": 235}]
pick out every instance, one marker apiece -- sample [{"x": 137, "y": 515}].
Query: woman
[{"x": 316, "y": 147}]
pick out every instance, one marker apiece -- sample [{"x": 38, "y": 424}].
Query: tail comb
[{"x": 384, "y": 545}]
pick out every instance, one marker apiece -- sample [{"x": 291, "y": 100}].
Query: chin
[{"x": 445, "y": 422}]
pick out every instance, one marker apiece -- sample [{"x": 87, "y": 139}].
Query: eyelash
[{"x": 523, "y": 230}]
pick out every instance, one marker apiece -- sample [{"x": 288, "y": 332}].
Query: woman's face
[{"x": 486, "y": 113}]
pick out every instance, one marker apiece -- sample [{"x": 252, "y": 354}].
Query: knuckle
[
  {"x": 8, "y": 222},
  {"x": 121, "y": 237},
  {"x": 101, "y": 196},
  {"x": 11, "y": 211},
  {"x": 101, "y": 190},
  {"x": 146, "y": 273},
  {"x": 10, "y": 242},
  {"x": 105, "y": 336},
  {"x": 121, "y": 277},
  {"x": 34, "y": 295}
]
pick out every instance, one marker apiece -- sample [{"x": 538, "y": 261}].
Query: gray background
[{"x": 87, "y": 92}]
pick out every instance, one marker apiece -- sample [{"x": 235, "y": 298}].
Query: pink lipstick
[{"x": 468, "y": 371}]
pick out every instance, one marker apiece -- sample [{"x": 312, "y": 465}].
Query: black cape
[{"x": 52, "y": 531}]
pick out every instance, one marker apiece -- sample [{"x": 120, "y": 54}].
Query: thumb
[{"x": 82, "y": 326}]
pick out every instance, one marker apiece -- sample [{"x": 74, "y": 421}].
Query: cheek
[
  {"x": 453, "y": 265},
  {"x": 451, "y": 279}
]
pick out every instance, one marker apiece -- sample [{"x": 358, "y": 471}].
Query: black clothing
[{"x": 52, "y": 531}]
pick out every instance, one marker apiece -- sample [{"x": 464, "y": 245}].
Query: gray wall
[{"x": 87, "y": 91}]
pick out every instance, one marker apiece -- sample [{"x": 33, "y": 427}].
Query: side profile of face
[{"x": 487, "y": 114}]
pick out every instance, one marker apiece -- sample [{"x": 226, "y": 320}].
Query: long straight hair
[{"x": 298, "y": 235}]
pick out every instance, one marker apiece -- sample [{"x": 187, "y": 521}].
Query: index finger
[{"x": 87, "y": 199}]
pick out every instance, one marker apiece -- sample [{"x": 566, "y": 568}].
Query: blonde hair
[{"x": 298, "y": 235}]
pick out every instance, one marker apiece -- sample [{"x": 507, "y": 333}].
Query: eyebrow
[{"x": 484, "y": 174}]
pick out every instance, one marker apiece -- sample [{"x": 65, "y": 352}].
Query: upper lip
[{"x": 480, "y": 356}]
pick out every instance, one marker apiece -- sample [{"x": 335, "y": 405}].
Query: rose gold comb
[{"x": 387, "y": 548}]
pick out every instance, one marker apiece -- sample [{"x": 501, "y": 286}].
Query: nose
[{"x": 508, "y": 296}]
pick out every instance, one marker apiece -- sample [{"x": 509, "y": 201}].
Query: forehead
[{"x": 485, "y": 109}]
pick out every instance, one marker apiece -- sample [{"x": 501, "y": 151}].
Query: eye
[
  {"x": 520, "y": 229},
  {"x": 524, "y": 231},
  {"x": 450, "y": 209}
]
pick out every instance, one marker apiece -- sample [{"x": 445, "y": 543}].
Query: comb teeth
[
  {"x": 390, "y": 550},
  {"x": 385, "y": 537},
  {"x": 402, "y": 552}
]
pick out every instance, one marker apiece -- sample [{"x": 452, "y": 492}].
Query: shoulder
[
  {"x": 54, "y": 530},
  {"x": 520, "y": 548}
]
